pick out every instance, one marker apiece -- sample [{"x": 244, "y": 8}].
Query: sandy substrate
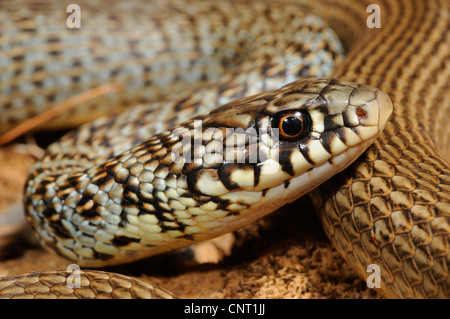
[{"x": 285, "y": 255}]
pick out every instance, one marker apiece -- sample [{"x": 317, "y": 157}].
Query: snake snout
[
  {"x": 385, "y": 108},
  {"x": 373, "y": 108}
]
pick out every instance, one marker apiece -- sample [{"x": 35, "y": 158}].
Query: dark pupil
[{"x": 292, "y": 125}]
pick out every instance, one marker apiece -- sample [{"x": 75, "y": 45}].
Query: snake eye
[{"x": 293, "y": 125}]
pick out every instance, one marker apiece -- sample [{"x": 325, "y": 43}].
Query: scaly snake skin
[
  {"x": 390, "y": 208},
  {"x": 92, "y": 285}
]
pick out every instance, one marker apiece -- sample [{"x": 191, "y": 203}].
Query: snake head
[
  {"x": 292, "y": 139},
  {"x": 319, "y": 127}
]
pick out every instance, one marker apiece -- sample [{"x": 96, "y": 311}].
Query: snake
[{"x": 120, "y": 189}]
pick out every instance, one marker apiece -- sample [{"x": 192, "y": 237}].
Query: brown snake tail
[{"x": 111, "y": 191}]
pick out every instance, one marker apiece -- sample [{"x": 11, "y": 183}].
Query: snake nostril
[{"x": 362, "y": 114}]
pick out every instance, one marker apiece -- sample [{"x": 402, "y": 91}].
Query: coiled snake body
[{"x": 390, "y": 208}]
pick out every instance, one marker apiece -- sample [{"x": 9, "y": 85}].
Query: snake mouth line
[{"x": 300, "y": 185}]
